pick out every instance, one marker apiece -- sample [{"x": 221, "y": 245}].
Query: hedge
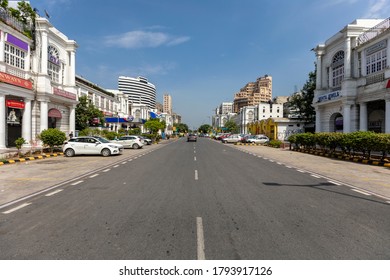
[{"x": 363, "y": 142}]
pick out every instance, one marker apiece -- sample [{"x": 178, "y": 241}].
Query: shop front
[{"x": 15, "y": 109}]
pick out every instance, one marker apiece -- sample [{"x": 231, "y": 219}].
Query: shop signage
[
  {"x": 329, "y": 96},
  {"x": 14, "y": 104},
  {"x": 388, "y": 84},
  {"x": 16, "y": 81},
  {"x": 64, "y": 93}
]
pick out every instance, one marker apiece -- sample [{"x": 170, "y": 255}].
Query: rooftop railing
[
  {"x": 374, "y": 31},
  {"x": 10, "y": 20}
]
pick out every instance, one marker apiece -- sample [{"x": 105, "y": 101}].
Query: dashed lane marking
[
  {"x": 53, "y": 193},
  {"x": 106, "y": 170},
  {"x": 200, "y": 239},
  {"x": 93, "y": 176},
  {"x": 16, "y": 208},
  {"x": 76, "y": 183},
  {"x": 196, "y": 174}
]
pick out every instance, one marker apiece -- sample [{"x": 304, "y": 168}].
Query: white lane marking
[
  {"x": 194, "y": 158},
  {"x": 288, "y": 166},
  {"x": 279, "y": 163},
  {"x": 93, "y": 176},
  {"x": 271, "y": 160},
  {"x": 124, "y": 162},
  {"x": 115, "y": 166},
  {"x": 335, "y": 183},
  {"x": 76, "y": 183},
  {"x": 55, "y": 192},
  {"x": 130, "y": 159},
  {"x": 315, "y": 176},
  {"x": 358, "y": 191},
  {"x": 16, "y": 208},
  {"x": 106, "y": 170},
  {"x": 302, "y": 171},
  {"x": 194, "y": 152},
  {"x": 200, "y": 238},
  {"x": 196, "y": 174}
]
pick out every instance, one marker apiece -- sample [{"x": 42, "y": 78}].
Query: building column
[
  {"x": 3, "y": 123},
  {"x": 347, "y": 117},
  {"x": 319, "y": 71},
  {"x": 318, "y": 120},
  {"x": 44, "y": 54},
  {"x": 27, "y": 123},
  {"x": 44, "y": 115},
  {"x": 347, "y": 58},
  {"x": 387, "y": 116},
  {"x": 363, "y": 117},
  {"x": 72, "y": 119}
]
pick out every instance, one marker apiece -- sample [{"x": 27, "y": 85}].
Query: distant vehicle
[
  {"x": 91, "y": 145},
  {"x": 258, "y": 139},
  {"x": 234, "y": 138},
  {"x": 130, "y": 141},
  {"x": 191, "y": 137}
]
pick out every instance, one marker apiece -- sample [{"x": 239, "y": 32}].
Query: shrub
[
  {"x": 275, "y": 143},
  {"x": 52, "y": 137},
  {"x": 19, "y": 143}
]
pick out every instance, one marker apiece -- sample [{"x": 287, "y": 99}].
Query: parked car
[
  {"x": 91, "y": 145},
  {"x": 146, "y": 141},
  {"x": 234, "y": 138},
  {"x": 258, "y": 139},
  {"x": 191, "y": 137},
  {"x": 130, "y": 141}
]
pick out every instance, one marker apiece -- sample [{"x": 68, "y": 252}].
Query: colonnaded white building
[
  {"x": 37, "y": 80},
  {"x": 353, "y": 79}
]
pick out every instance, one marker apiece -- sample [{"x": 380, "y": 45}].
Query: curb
[
  {"x": 347, "y": 158},
  {"x": 11, "y": 161}
]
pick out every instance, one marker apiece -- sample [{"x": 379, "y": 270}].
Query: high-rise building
[
  {"x": 139, "y": 90},
  {"x": 167, "y": 104},
  {"x": 254, "y": 93}
]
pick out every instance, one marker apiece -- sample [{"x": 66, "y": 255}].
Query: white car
[
  {"x": 258, "y": 139},
  {"x": 91, "y": 145},
  {"x": 234, "y": 138},
  {"x": 130, "y": 141}
]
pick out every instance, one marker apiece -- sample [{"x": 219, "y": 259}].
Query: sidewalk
[{"x": 374, "y": 179}]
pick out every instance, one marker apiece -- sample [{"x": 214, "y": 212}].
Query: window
[
  {"x": 14, "y": 56},
  {"x": 53, "y": 64},
  {"x": 338, "y": 69},
  {"x": 376, "y": 62}
]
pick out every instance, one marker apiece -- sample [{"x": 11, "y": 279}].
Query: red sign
[
  {"x": 15, "y": 104},
  {"x": 388, "y": 84},
  {"x": 64, "y": 93},
  {"x": 16, "y": 81}
]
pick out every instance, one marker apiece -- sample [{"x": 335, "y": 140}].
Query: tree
[
  {"x": 87, "y": 114},
  {"x": 205, "y": 128},
  {"x": 302, "y": 102},
  {"x": 231, "y": 126},
  {"x": 154, "y": 125},
  {"x": 52, "y": 137},
  {"x": 181, "y": 127}
]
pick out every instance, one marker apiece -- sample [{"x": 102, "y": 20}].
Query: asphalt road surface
[{"x": 197, "y": 200}]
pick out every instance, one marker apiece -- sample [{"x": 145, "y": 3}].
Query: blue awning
[{"x": 116, "y": 120}]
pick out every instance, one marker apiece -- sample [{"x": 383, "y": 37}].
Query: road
[{"x": 197, "y": 200}]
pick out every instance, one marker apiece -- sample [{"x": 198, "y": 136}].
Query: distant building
[
  {"x": 167, "y": 104},
  {"x": 253, "y": 93},
  {"x": 139, "y": 90}
]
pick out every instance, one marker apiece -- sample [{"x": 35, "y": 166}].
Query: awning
[
  {"x": 115, "y": 120},
  {"x": 55, "y": 113}
]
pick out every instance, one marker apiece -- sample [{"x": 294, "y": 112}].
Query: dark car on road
[{"x": 191, "y": 137}]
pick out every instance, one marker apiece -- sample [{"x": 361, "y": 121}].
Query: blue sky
[{"x": 201, "y": 52}]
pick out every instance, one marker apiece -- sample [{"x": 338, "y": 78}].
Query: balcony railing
[
  {"x": 8, "y": 19},
  {"x": 374, "y": 31}
]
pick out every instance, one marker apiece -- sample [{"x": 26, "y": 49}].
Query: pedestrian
[{"x": 71, "y": 135}]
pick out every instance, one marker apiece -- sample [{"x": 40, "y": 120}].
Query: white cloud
[
  {"x": 143, "y": 39},
  {"x": 378, "y": 9}
]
